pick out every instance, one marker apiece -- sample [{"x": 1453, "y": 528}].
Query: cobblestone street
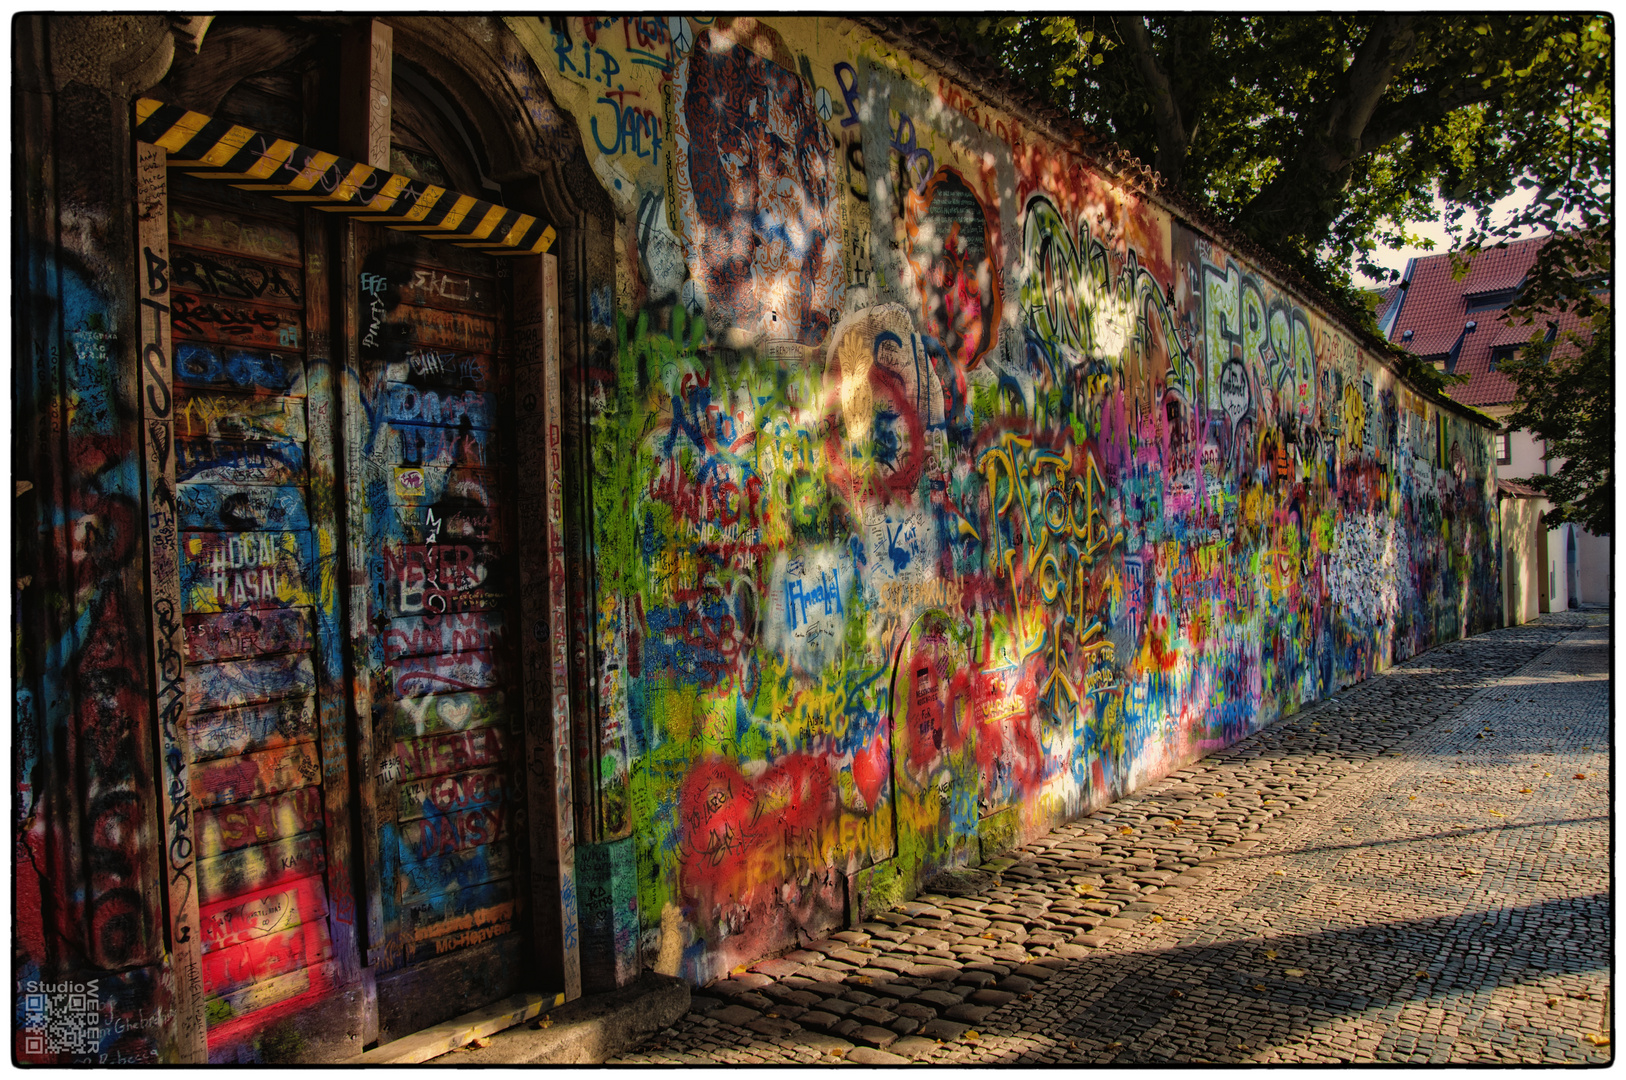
[{"x": 1416, "y": 870}]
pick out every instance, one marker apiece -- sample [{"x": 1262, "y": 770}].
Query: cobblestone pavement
[{"x": 1416, "y": 870}]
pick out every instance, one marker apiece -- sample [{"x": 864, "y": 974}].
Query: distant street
[{"x": 1414, "y": 871}]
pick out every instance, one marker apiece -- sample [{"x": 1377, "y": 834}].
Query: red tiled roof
[
  {"x": 1435, "y": 310},
  {"x": 1433, "y": 342},
  {"x": 1435, "y": 300},
  {"x": 1487, "y": 387},
  {"x": 1506, "y": 333}
]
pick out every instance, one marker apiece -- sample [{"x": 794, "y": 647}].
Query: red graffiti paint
[{"x": 870, "y": 769}]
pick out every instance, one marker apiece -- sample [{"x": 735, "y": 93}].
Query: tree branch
[
  {"x": 1423, "y": 108},
  {"x": 1380, "y": 57},
  {"x": 1171, "y": 133}
]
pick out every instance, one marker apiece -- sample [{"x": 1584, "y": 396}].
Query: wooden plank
[
  {"x": 421, "y": 635},
  {"x": 428, "y": 839},
  {"x": 235, "y": 277},
  {"x": 423, "y": 579},
  {"x": 242, "y": 509},
  {"x": 458, "y": 751},
  {"x": 241, "y": 461},
  {"x": 457, "y": 911},
  {"x": 465, "y": 869},
  {"x": 259, "y": 821},
  {"x": 375, "y": 792},
  {"x": 230, "y": 232},
  {"x": 449, "y": 794},
  {"x": 233, "y": 634},
  {"x": 231, "y": 732},
  {"x": 249, "y": 680},
  {"x": 444, "y": 288},
  {"x": 234, "y": 322},
  {"x": 201, "y": 413},
  {"x": 260, "y": 914},
  {"x": 312, "y": 980},
  {"x": 262, "y": 867},
  {"x": 435, "y": 713},
  {"x": 445, "y": 1037},
  {"x": 188, "y": 1029},
  {"x": 408, "y": 404},
  {"x": 244, "y": 571},
  {"x": 266, "y": 958},
  {"x": 252, "y": 776},
  {"x": 449, "y": 489},
  {"x": 227, "y": 367},
  {"x": 446, "y": 369},
  {"x": 325, "y": 506},
  {"x": 364, "y": 92},
  {"x": 195, "y": 193},
  {"x": 426, "y": 326},
  {"x": 441, "y": 673},
  {"x": 431, "y": 446},
  {"x": 546, "y": 657}
]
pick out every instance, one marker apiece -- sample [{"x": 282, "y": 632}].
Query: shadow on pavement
[{"x": 1202, "y": 998}]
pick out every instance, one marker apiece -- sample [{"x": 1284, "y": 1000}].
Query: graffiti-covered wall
[{"x": 943, "y": 490}]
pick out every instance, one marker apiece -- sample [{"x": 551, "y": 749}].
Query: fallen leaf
[
  {"x": 1525, "y": 791},
  {"x": 1552, "y": 1003},
  {"x": 1176, "y": 994},
  {"x": 1414, "y": 798},
  {"x": 1496, "y": 813},
  {"x": 973, "y": 1036},
  {"x": 1470, "y": 872},
  {"x": 1297, "y": 973},
  {"x": 1348, "y": 829},
  {"x": 1125, "y": 829},
  {"x": 1260, "y": 986},
  {"x": 1280, "y": 873},
  {"x": 1115, "y": 1046},
  {"x": 1597, "y": 1040},
  {"x": 1421, "y": 974},
  {"x": 1580, "y": 776},
  {"x": 863, "y": 980},
  {"x": 1157, "y": 918},
  {"x": 1270, "y": 954},
  {"x": 482, "y": 1042}
]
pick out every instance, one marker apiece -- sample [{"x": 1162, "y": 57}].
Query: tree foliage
[
  {"x": 1319, "y": 135},
  {"x": 1566, "y": 396}
]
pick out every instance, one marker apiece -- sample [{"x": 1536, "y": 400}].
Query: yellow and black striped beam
[{"x": 246, "y": 159}]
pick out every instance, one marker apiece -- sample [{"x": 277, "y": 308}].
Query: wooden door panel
[
  {"x": 252, "y": 598},
  {"x": 435, "y": 506}
]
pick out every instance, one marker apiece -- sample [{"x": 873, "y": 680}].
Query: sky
[{"x": 1435, "y": 230}]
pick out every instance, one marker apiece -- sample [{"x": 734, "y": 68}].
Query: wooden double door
[{"x": 349, "y": 557}]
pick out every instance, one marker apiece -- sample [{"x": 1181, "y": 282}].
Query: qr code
[{"x": 61, "y": 1022}]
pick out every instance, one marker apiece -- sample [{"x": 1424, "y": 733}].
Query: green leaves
[
  {"x": 1566, "y": 396},
  {"x": 1315, "y": 146}
]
